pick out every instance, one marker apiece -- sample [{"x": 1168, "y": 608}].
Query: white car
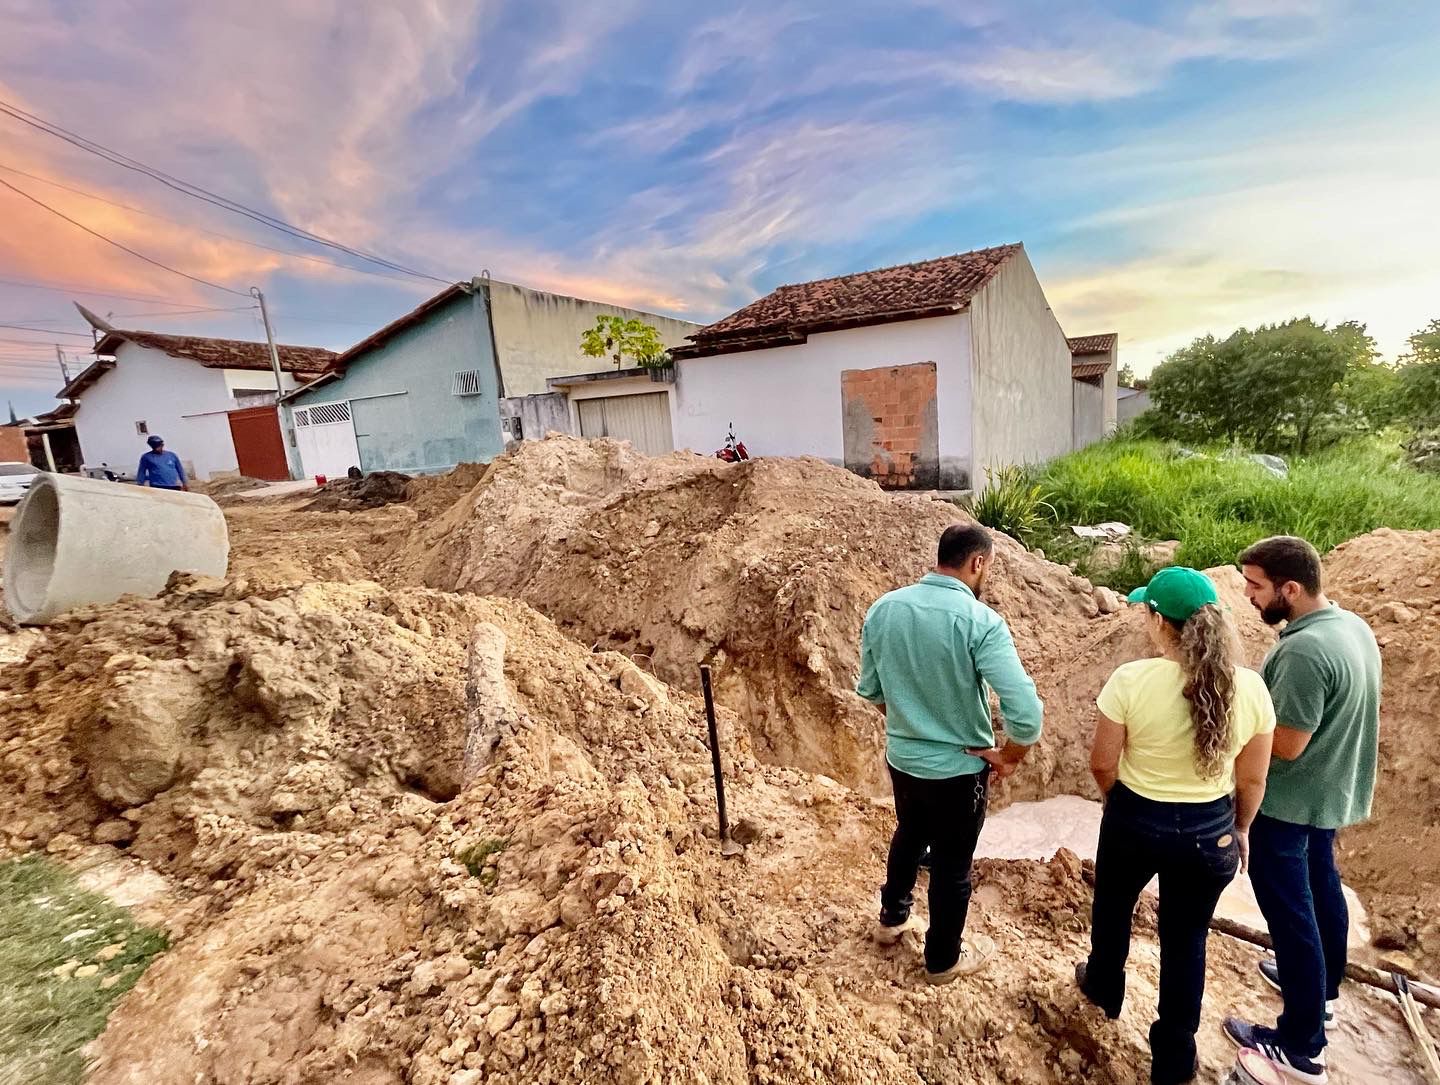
[{"x": 15, "y": 479}]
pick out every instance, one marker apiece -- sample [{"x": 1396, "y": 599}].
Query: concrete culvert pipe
[{"x": 79, "y": 541}]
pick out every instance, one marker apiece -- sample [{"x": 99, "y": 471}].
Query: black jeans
[
  {"x": 946, "y": 816},
  {"x": 1297, "y": 886},
  {"x": 1192, "y": 847}
]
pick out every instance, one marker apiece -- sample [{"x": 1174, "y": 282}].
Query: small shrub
[
  {"x": 1013, "y": 502},
  {"x": 472, "y": 857}
]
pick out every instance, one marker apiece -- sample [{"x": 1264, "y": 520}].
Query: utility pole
[{"x": 286, "y": 437}]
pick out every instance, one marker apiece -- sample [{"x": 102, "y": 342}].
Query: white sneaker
[
  {"x": 888, "y": 936},
  {"x": 975, "y": 953}
]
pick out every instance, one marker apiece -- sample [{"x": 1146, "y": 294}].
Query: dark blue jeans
[
  {"x": 1191, "y": 846},
  {"x": 1297, "y": 886},
  {"x": 946, "y": 816}
]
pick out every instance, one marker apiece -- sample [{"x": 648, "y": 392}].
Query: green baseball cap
[{"x": 1176, "y": 592}]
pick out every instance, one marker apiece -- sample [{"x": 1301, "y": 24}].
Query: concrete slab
[
  {"x": 1037, "y": 830},
  {"x": 279, "y": 489}
]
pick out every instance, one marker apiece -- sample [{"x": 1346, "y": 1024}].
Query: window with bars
[
  {"x": 467, "y": 383},
  {"x": 322, "y": 414}
]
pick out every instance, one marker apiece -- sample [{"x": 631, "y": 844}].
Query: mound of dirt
[
  {"x": 208, "y": 713},
  {"x": 566, "y": 918},
  {"x": 426, "y": 838},
  {"x": 228, "y": 487},
  {"x": 368, "y": 492},
  {"x": 765, "y": 569},
  {"x": 1392, "y": 579}
]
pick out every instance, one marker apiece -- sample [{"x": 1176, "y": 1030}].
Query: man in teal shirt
[
  {"x": 1324, "y": 677},
  {"x": 930, "y": 654}
]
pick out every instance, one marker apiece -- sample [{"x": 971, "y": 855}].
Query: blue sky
[{"x": 1173, "y": 168}]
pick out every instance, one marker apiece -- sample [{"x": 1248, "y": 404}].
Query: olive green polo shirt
[
  {"x": 1324, "y": 677},
  {"x": 931, "y": 653}
]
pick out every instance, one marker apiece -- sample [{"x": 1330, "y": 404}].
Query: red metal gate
[{"x": 258, "y": 445}]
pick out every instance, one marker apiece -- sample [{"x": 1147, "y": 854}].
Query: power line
[
  {"x": 201, "y": 229},
  {"x": 183, "y": 312},
  {"x": 122, "y": 248},
  {"x": 42, "y": 331},
  {"x": 59, "y": 289},
  {"x": 197, "y": 192}
]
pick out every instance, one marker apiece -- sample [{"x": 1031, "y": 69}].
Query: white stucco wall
[
  {"x": 1088, "y": 413},
  {"x": 1023, "y": 401},
  {"x": 537, "y": 334},
  {"x": 1112, "y": 389},
  {"x": 1132, "y": 407},
  {"x": 175, "y": 398},
  {"x": 786, "y": 401}
]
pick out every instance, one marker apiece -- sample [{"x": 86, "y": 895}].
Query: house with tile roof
[
  {"x": 920, "y": 376},
  {"x": 1096, "y": 372},
  {"x": 461, "y": 376},
  {"x": 210, "y": 399}
]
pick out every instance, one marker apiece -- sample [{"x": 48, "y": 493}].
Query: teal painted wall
[{"x": 427, "y": 428}]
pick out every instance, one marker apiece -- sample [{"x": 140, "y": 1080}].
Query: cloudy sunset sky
[{"x": 1174, "y": 168}]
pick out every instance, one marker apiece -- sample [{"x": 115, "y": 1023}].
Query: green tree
[
  {"x": 1279, "y": 385},
  {"x": 616, "y": 338},
  {"x": 1126, "y": 376},
  {"x": 1195, "y": 389},
  {"x": 1292, "y": 376},
  {"x": 1419, "y": 378},
  {"x": 1370, "y": 393}
]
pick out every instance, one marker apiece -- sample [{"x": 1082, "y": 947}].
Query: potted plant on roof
[{"x": 617, "y": 338}]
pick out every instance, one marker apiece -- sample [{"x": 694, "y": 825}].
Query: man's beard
[{"x": 1277, "y": 612}]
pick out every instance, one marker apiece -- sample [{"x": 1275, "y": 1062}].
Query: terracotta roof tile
[
  {"x": 789, "y": 313},
  {"x": 1082, "y": 370},
  {"x": 223, "y": 353},
  {"x": 1093, "y": 344}
]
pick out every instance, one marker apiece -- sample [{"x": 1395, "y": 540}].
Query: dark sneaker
[
  {"x": 1270, "y": 973},
  {"x": 1267, "y": 1042},
  {"x": 889, "y": 935},
  {"x": 1080, "y": 970}
]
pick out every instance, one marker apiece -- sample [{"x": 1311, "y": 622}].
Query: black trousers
[
  {"x": 945, "y": 816},
  {"x": 1191, "y": 846}
]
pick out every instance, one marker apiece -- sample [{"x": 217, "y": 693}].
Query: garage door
[
  {"x": 325, "y": 439},
  {"x": 642, "y": 420}
]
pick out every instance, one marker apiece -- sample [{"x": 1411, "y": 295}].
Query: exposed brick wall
[{"x": 891, "y": 430}]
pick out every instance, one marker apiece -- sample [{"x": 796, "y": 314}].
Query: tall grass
[{"x": 1216, "y": 507}]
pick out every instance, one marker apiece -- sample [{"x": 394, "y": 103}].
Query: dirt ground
[{"x": 288, "y": 749}]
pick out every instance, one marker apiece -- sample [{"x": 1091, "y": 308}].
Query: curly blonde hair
[{"x": 1209, "y": 655}]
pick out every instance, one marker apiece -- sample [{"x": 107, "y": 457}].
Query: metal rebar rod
[{"x": 715, "y": 751}]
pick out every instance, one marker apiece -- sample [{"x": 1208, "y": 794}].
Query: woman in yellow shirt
[{"x": 1182, "y": 745}]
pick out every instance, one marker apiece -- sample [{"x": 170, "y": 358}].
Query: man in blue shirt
[
  {"x": 930, "y": 655},
  {"x": 160, "y": 469}
]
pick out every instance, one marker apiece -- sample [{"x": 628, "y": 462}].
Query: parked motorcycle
[{"x": 734, "y": 450}]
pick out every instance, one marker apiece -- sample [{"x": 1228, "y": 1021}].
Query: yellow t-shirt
[{"x": 1147, "y": 697}]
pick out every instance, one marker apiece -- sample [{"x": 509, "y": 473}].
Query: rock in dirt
[{"x": 114, "y": 831}]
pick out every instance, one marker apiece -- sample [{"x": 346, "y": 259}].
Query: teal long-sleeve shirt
[{"x": 930, "y": 653}]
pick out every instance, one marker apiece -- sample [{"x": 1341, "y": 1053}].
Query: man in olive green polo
[{"x": 1324, "y": 677}]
